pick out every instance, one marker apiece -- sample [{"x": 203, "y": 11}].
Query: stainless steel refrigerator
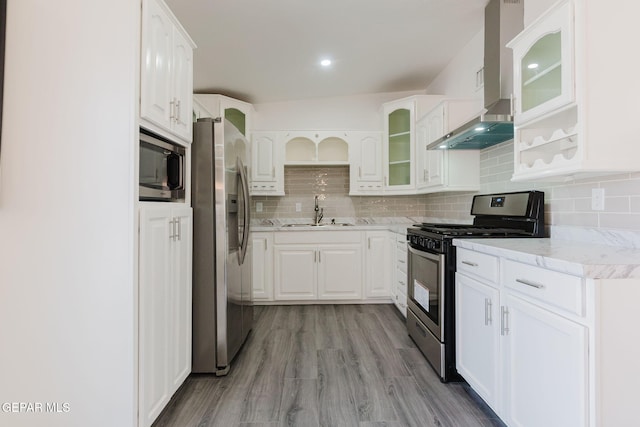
[{"x": 222, "y": 307}]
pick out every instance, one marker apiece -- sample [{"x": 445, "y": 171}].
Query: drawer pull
[
  {"x": 529, "y": 283},
  {"x": 401, "y": 261},
  {"x": 472, "y": 264}
]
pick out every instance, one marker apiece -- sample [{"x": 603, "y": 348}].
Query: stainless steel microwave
[{"x": 162, "y": 169}]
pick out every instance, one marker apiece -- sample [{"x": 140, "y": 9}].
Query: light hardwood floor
[{"x": 326, "y": 365}]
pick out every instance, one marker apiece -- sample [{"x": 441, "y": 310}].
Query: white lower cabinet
[
  {"x": 477, "y": 337},
  {"x": 400, "y": 272},
  {"x": 340, "y": 272},
  {"x": 378, "y": 269},
  {"x": 262, "y": 266},
  {"x": 164, "y": 336},
  {"x": 318, "y": 265},
  {"x": 545, "y": 365},
  {"x": 521, "y": 342}
]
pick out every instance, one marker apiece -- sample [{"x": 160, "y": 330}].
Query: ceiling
[{"x": 270, "y": 50}]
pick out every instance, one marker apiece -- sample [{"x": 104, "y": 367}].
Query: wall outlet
[
  {"x": 258, "y": 206},
  {"x": 298, "y": 207},
  {"x": 597, "y": 199}
]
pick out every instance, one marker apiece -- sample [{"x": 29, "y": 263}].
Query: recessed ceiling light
[
  {"x": 325, "y": 62},
  {"x": 532, "y": 66}
]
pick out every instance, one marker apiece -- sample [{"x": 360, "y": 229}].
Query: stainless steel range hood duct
[{"x": 503, "y": 20}]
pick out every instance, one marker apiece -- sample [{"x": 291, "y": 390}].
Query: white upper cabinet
[
  {"x": 166, "y": 80},
  {"x": 365, "y": 163},
  {"x": 399, "y": 141},
  {"x": 445, "y": 170},
  {"x": 543, "y": 66},
  {"x": 267, "y": 169},
  {"x": 239, "y": 113},
  {"x": 575, "y": 94}
]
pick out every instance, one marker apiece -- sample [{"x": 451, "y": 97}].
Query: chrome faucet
[{"x": 319, "y": 212}]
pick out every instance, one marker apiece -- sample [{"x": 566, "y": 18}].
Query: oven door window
[{"x": 425, "y": 285}]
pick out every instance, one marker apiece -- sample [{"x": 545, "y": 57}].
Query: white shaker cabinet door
[
  {"x": 154, "y": 323},
  {"x": 546, "y": 367},
  {"x": 157, "y": 55},
  {"x": 478, "y": 337},
  {"x": 295, "y": 274},
  {"x": 182, "y": 85},
  {"x": 262, "y": 266},
  {"x": 340, "y": 272},
  {"x": 181, "y": 302}
]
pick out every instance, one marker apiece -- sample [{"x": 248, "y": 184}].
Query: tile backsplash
[
  {"x": 331, "y": 183},
  {"x": 566, "y": 204}
]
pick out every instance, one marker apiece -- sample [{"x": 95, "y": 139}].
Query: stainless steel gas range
[{"x": 432, "y": 263}]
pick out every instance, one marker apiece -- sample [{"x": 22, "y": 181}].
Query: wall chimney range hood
[{"x": 503, "y": 20}]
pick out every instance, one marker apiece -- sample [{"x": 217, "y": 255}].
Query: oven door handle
[{"x": 429, "y": 255}]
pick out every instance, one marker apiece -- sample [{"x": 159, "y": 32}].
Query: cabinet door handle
[
  {"x": 369, "y": 242},
  {"x": 504, "y": 320},
  {"x": 319, "y": 256},
  {"x": 359, "y": 171},
  {"x": 529, "y": 283},
  {"x": 487, "y": 312},
  {"x": 401, "y": 261},
  {"x": 273, "y": 172},
  {"x": 512, "y": 101},
  {"x": 178, "y": 111},
  {"x": 179, "y": 225},
  {"x": 172, "y": 109},
  {"x": 172, "y": 233},
  {"x": 472, "y": 264},
  {"x": 315, "y": 256}
]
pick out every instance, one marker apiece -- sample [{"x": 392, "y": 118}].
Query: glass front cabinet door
[
  {"x": 399, "y": 123},
  {"x": 543, "y": 65}
]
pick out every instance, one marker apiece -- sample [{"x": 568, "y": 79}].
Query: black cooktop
[{"x": 469, "y": 230}]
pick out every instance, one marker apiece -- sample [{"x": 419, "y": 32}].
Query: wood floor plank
[
  {"x": 190, "y": 403},
  {"x": 336, "y": 402},
  {"x": 376, "y": 346},
  {"x": 303, "y": 358},
  {"x": 394, "y": 325},
  {"x": 262, "y": 401},
  {"x": 329, "y": 333},
  {"x": 409, "y": 403},
  {"x": 299, "y": 405},
  {"x": 450, "y": 403}
]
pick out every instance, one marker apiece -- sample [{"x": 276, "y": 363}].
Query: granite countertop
[{"x": 595, "y": 261}]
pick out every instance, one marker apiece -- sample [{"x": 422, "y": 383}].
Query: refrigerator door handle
[{"x": 244, "y": 184}]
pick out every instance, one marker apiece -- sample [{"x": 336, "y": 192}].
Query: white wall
[
  {"x": 361, "y": 112},
  {"x": 67, "y": 224},
  {"x": 458, "y": 79}
]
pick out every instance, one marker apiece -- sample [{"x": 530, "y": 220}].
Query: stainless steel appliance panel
[{"x": 222, "y": 312}]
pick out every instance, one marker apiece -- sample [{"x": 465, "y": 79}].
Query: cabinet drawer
[
  {"x": 556, "y": 289},
  {"x": 478, "y": 264},
  {"x": 401, "y": 261},
  {"x": 401, "y": 281}
]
